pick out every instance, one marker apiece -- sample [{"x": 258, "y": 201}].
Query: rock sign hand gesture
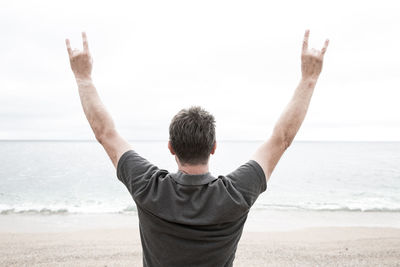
[
  {"x": 311, "y": 59},
  {"x": 81, "y": 60}
]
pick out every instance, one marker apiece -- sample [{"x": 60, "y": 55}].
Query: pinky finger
[{"x": 325, "y": 47}]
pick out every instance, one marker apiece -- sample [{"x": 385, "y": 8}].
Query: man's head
[{"x": 192, "y": 136}]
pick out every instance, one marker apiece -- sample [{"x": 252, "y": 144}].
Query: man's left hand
[{"x": 81, "y": 60}]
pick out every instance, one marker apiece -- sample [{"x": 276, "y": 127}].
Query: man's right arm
[{"x": 269, "y": 153}]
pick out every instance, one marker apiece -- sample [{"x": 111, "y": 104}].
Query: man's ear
[
  {"x": 214, "y": 148},
  {"x": 170, "y": 148}
]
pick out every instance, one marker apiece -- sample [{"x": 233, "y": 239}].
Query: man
[{"x": 191, "y": 218}]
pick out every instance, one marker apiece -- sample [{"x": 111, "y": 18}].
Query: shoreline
[
  {"x": 257, "y": 221},
  {"x": 316, "y": 246}
]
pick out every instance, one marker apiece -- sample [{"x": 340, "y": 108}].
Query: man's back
[
  {"x": 190, "y": 220},
  {"x": 193, "y": 220}
]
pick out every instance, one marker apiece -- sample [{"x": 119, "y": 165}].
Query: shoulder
[
  {"x": 135, "y": 171},
  {"x": 249, "y": 180},
  {"x": 250, "y": 168}
]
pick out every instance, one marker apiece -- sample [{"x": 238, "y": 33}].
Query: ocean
[{"x": 76, "y": 177}]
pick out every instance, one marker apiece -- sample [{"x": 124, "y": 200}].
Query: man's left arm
[{"x": 99, "y": 119}]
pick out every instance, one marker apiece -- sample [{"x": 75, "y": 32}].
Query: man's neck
[{"x": 193, "y": 169}]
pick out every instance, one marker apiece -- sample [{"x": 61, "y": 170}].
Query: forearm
[
  {"x": 293, "y": 116},
  {"x": 96, "y": 113},
  {"x": 269, "y": 153}
]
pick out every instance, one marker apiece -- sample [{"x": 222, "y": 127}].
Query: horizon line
[{"x": 222, "y": 140}]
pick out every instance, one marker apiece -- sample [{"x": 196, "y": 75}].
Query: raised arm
[
  {"x": 269, "y": 153},
  {"x": 99, "y": 119}
]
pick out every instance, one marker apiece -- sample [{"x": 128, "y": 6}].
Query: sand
[{"x": 325, "y": 246}]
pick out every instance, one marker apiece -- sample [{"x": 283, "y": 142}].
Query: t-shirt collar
[{"x": 192, "y": 179}]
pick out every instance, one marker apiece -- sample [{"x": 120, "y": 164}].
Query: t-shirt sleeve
[
  {"x": 134, "y": 172},
  {"x": 249, "y": 179}
]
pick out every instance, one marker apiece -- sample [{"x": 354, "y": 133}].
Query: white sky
[{"x": 238, "y": 59}]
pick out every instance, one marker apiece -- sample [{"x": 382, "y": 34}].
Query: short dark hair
[{"x": 192, "y": 135}]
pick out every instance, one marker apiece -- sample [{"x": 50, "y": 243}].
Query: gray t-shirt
[{"x": 190, "y": 220}]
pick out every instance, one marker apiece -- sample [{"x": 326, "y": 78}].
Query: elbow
[
  {"x": 102, "y": 136},
  {"x": 284, "y": 138},
  {"x": 287, "y": 141},
  {"x": 99, "y": 138}
]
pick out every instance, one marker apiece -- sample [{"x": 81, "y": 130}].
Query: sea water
[{"x": 77, "y": 177}]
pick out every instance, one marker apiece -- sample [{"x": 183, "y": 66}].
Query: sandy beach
[{"x": 316, "y": 246}]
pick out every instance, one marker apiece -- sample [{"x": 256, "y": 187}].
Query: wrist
[
  {"x": 83, "y": 79},
  {"x": 310, "y": 81}
]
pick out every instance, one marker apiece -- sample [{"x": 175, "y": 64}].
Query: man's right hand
[{"x": 311, "y": 59}]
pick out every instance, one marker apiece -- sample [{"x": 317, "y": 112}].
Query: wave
[
  {"x": 43, "y": 211},
  {"x": 51, "y": 210},
  {"x": 132, "y": 209},
  {"x": 282, "y": 207}
]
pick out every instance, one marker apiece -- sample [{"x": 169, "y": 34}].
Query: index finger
[
  {"x": 85, "y": 42},
  {"x": 68, "y": 47},
  {"x": 305, "y": 41}
]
